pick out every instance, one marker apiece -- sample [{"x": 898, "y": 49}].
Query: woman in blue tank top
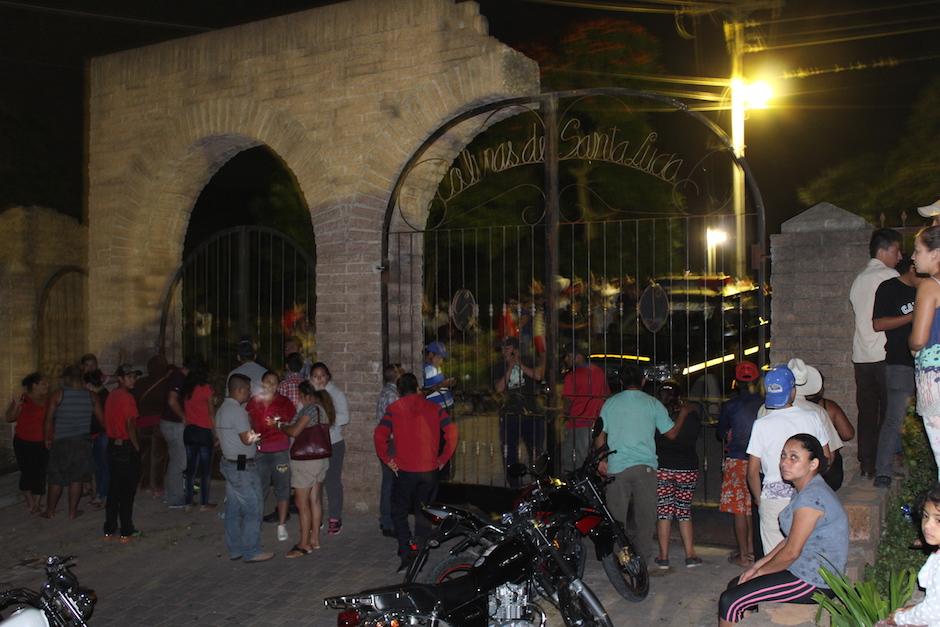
[{"x": 925, "y": 334}]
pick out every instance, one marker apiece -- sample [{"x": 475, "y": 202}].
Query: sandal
[{"x": 298, "y": 551}]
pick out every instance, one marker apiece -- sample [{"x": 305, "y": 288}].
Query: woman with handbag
[
  {"x": 198, "y": 437},
  {"x": 309, "y": 461}
]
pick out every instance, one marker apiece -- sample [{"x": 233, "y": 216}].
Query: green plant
[
  {"x": 900, "y": 532},
  {"x": 861, "y": 603}
]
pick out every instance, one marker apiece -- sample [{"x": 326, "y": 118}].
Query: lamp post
[
  {"x": 744, "y": 96},
  {"x": 713, "y": 239}
]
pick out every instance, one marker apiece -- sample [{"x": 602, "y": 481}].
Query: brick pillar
[{"x": 815, "y": 259}]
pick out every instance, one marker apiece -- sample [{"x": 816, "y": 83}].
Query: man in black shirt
[
  {"x": 515, "y": 379},
  {"x": 893, "y": 313}
]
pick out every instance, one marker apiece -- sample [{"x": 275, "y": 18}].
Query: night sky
[{"x": 818, "y": 122}]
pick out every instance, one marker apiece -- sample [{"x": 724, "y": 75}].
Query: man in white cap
[{"x": 931, "y": 211}]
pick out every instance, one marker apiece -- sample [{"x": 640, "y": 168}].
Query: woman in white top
[{"x": 321, "y": 379}]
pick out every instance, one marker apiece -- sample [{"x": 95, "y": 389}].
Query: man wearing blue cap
[
  {"x": 436, "y": 384},
  {"x": 769, "y": 434}
]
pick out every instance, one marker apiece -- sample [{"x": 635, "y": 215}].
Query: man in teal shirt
[{"x": 631, "y": 420}]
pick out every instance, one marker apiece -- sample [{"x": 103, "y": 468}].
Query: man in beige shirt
[{"x": 868, "y": 345}]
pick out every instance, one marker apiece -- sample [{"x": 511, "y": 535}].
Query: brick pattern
[
  {"x": 344, "y": 94},
  {"x": 811, "y": 316},
  {"x": 38, "y": 241}
]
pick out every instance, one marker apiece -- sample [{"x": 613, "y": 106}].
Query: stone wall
[
  {"x": 343, "y": 94},
  {"x": 37, "y": 242},
  {"x": 815, "y": 259}
]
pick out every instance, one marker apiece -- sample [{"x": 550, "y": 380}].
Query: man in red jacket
[{"x": 416, "y": 425}]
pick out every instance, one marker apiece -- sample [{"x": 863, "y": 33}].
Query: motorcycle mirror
[{"x": 516, "y": 470}]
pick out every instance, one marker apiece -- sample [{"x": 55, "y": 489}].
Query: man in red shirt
[
  {"x": 585, "y": 390},
  {"x": 416, "y": 424},
  {"x": 120, "y": 421}
]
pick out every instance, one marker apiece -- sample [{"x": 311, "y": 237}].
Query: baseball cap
[
  {"x": 437, "y": 348},
  {"x": 930, "y": 210},
  {"x": 778, "y": 383},
  {"x": 126, "y": 369},
  {"x": 746, "y": 371},
  {"x": 807, "y": 378}
]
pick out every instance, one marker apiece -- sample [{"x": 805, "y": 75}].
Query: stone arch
[{"x": 169, "y": 178}]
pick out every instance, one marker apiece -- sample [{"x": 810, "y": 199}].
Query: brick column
[{"x": 815, "y": 259}]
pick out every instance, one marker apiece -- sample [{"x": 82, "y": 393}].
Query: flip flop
[{"x": 298, "y": 551}]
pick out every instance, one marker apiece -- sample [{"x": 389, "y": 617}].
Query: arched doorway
[
  {"x": 599, "y": 220},
  {"x": 248, "y": 268}
]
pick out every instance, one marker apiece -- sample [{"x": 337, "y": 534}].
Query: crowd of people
[{"x": 284, "y": 432}]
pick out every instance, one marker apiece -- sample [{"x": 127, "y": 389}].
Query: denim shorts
[{"x": 274, "y": 468}]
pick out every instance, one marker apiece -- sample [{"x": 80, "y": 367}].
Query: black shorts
[{"x": 70, "y": 461}]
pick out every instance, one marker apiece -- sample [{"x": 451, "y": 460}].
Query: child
[
  {"x": 436, "y": 384},
  {"x": 927, "y": 612}
]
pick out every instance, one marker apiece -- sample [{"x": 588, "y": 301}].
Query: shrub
[
  {"x": 902, "y": 523},
  {"x": 861, "y": 603}
]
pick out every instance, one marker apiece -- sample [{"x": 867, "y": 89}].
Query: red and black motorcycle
[{"x": 570, "y": 509}]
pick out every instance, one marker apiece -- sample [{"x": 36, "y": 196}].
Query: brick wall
[
  {"x": 343, "y": 94},
  {"x": 815, "y": 259},
  {"x": 37, "y": 242}
]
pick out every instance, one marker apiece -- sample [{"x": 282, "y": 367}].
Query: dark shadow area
[{"x": 255, "y": 188}]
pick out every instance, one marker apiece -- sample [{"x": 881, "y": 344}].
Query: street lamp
[
  {"x": 713, "y": 239},
  {"x": 744, "y": 96}
]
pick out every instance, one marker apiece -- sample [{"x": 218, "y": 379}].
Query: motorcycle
[
  {"x": 499, "y": 589},
  {"x": 61, "y": 602},
  {"x": 573, "y": 509}
]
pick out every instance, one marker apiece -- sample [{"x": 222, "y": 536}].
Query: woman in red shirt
[
  {"x": 28, "y": 411},
  {"x": 199, "y": 410}
]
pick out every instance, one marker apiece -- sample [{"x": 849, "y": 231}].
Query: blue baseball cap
[
  {"x": 779, "y": 382},
  {"x": 437, "y": 348}
]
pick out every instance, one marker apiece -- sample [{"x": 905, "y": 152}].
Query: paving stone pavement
[{"x": 178, "y": 572}]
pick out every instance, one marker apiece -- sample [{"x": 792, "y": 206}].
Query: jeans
[
  {"x": 334, "y": 481},
  {"x": 201, "y": 457},
  {"x": 410, "y": 491},
  {"x": 575, "y": 447},
  {"x": 99, "y": 452},
  {"x": 385, "y": 498},
  {"x": 899, "y": 386},
  {"x": 635, "y": 486},
  {"x": 124, "y": 462},
  {"x": 870, "y": 398},
  {"x": 176, "y": 450},
  {"x": 529, "y": 429},
  {"x": 243, "y": 505}
]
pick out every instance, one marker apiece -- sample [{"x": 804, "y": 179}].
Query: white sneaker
[{"x": 282, "y": 533}]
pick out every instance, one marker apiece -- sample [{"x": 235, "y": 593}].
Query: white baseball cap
[{"x": 930, "y": 211}]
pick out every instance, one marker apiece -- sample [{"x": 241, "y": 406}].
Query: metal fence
[
  {"x": 62, "y": 320},
  {"x": 245, "y": 281}
]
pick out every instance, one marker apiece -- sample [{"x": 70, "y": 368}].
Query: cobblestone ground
[{"x": 178, "y": 572}]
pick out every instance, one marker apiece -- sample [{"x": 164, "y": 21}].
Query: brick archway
[{"x": 342, "y": 94}]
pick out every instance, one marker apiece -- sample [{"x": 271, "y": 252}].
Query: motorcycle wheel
[
  {"x": 451, "y": 567},
  {"x": 581, "y": 608},
  {"x": 627, "y": 571}
]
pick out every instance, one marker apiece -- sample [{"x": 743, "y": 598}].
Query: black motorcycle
[
  {"x": 500, "y": 589},
  {"x": 571, "y": 509},
  {"x": 61, "y": 602}
]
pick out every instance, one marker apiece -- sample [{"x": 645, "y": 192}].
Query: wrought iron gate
[
  {"x": 245, "y": 281},
  {"x": 61, "y": 325},
  {"x": 573, "y": 249}
]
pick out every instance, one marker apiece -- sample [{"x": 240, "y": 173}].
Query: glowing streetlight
[
  {"x": 744, "y": 96},
  {"x": 713, "y": 239}
]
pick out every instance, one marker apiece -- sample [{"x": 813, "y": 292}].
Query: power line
[
  {"x": 752, "y": 48},
  {"x": 856, "y": 65},
  {"x": 840, "y": 14},
  {"x": 100, "y": 16},
  {"x": 836, "y": 29},
  {"x": 688, "y": 8}
]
